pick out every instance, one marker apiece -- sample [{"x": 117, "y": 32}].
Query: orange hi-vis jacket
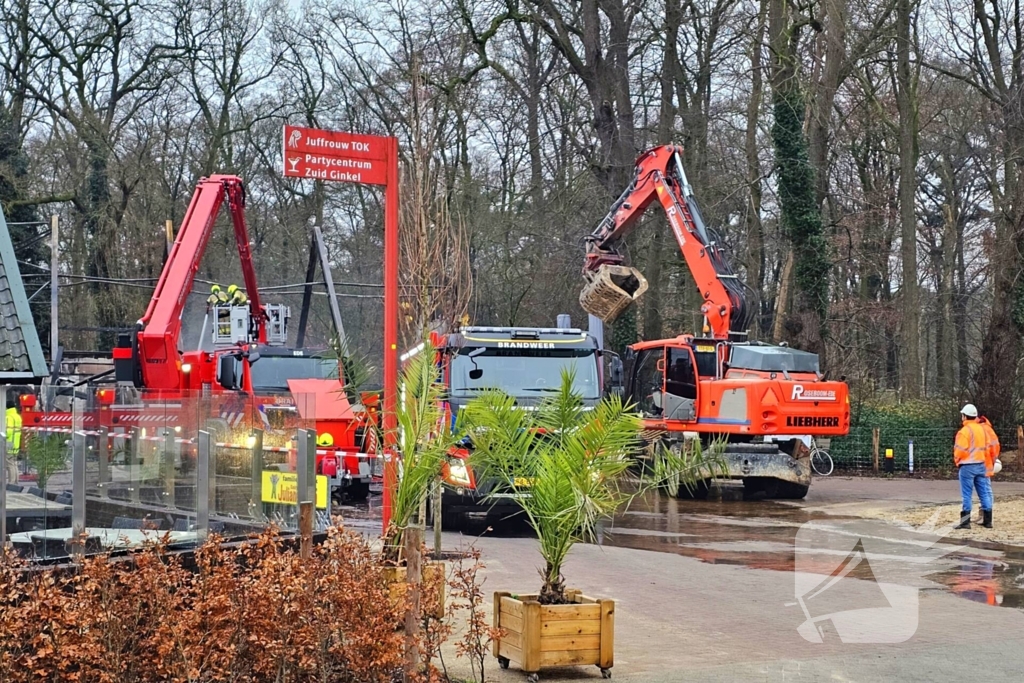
[
  {"x": 993, "y": 445},
  {"x": 971, "y": 444}
]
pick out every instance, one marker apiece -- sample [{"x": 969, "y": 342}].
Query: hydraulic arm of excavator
[
  {"x": 158, "y": 358},
  {"x": 612, "y": 287}
]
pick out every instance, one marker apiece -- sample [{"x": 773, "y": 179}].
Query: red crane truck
[{"x": 249, "y": 369}]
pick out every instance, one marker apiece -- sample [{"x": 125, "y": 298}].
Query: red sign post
[{"x": 369, "y": 160}]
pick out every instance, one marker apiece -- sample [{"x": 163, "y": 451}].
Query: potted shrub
[
  {"x": 567, "y": 464},
  {"x": 423, "y": 441}
]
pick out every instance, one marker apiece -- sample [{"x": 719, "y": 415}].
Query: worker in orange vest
[
  {"x": 993, "y": 446},
  {"x": 971, "y": 457}
]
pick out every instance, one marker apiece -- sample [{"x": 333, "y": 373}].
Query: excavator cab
[{"x": 663, "y": 382}]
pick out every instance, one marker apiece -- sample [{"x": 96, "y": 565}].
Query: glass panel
[
  {"x": 648, "y": 383},
  {"x": 140, "y": 479},
  {"x": 39, "y": 489},
  {"x": 680, "y": 379}
]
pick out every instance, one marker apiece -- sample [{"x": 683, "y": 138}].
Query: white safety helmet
[
  {"x": 969, "y": 410},
  {"x": 998, "y": 467}
]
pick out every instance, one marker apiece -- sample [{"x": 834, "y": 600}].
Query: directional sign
[
  {"x": 373, "y": 160},
  {"x": 332, "y": 155}
]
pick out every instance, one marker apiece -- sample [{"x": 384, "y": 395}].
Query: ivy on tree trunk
[{"x": 801, "y": 218}]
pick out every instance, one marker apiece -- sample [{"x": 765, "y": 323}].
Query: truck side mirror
[
  {"x": 614, "y": 376},
  {"x": 226, "y": 372}
]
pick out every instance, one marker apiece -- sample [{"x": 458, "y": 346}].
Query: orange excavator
[{"x": 764, "y": 401}]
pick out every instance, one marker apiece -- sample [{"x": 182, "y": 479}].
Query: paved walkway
[{"x": 681, "y": 619}]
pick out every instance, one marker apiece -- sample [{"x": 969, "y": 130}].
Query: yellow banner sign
[{"x": 283, "y": 488}]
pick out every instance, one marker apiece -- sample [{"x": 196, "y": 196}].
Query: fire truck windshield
[
  {"x": 271, "y": 373},
  {"x": 523, "y": 372}
]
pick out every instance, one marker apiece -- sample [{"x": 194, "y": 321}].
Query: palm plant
[
  {"x": 423, "y": 439},
  {"x": 566, "y": 463}
]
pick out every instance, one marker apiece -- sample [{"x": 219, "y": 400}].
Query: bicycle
[{"x": 821, "y": 461}]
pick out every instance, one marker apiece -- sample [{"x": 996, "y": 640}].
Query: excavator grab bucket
[{"x": 611, "y": 290}]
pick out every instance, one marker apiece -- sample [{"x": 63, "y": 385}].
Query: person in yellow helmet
[
  {"x": 217, "y": 296},
  {"x": 237, "y": 296}
]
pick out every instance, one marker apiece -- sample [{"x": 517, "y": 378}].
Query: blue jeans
[{"x": 973, "y": 476}]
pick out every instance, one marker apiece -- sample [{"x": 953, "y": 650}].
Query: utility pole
[{"x": 54, "y": 273}]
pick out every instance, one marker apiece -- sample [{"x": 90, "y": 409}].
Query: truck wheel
[
  {"x": 357, "y": 491},
  {"x": 759, "y": 487},
  {"x": 789, "y": 491},
  {"x": 698, "y": 491}
]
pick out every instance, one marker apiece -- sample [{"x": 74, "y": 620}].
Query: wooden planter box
[
  {"x": 432, "y": 571},
  {"x": 536, "y": 636}
]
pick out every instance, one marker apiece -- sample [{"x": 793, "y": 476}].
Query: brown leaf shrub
[
  {"x": 256, "y": 613},
  {"x": 468, "y": 594}
]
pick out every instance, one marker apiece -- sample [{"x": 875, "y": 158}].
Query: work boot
[
  {"x": 965, "y": 520},
  {"x": 987, "y": 514}
]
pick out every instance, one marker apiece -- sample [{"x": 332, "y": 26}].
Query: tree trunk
[
  {"x": 754, "y": 227},
  {"x": 1000, "y": 350},
  {"x": 653, "y": 322},
  {"x": 906, "y": 103},
  {"x": 800, "y": 213},
  {"x": 819, "y": 124},
  {"x": 553, "y": 590}
]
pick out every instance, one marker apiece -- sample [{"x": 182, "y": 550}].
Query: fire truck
[
  {"x": 249, "y": 379},
  {"x": 764, "y": 401},
  {"x": 526, "y": 363}
]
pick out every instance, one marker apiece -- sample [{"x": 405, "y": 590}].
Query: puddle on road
[
  {"x": 758, "y": 535},
  {"x": 761, "y": 535}
]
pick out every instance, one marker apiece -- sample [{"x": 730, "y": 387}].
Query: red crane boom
[{"x": 159, "y": 329}]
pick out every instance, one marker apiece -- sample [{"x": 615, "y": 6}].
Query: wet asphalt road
[{"x": 760, "y": 535}]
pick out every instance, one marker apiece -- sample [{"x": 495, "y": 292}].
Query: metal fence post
[
  {"x": 77, "y": 491},
  {"x": 256, "y": 495},
  {"x": 134, "y": 458},
  {"x": 168, "y": 466},
  {"x": 306, "y": 465},
  {"x": 103, "y": 454},
  {"x": 203, "y": 486},
  {"x": 3, "y": 492}
]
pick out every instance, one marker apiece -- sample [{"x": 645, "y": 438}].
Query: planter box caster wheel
[
  {"x": 503, "y": 662},
  {"x": 533, "y": 678},
  {"x": 606, "y": 673}
]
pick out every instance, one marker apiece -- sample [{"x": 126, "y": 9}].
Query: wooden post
[
  {"x": 496, "y": 643},
  {"x": 607, "y": 634},
  {"x": 305, "y": 529},
  {"x": 413, "y": 575},
  {"x": 437, "y": 520},
  {"x": 875, "y": 440},
  {"x": 1020, "y": 448},
  {"x": 531, "y": 637}
]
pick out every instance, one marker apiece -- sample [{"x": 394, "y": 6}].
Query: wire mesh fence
[{"x": 932, "y": 448}]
